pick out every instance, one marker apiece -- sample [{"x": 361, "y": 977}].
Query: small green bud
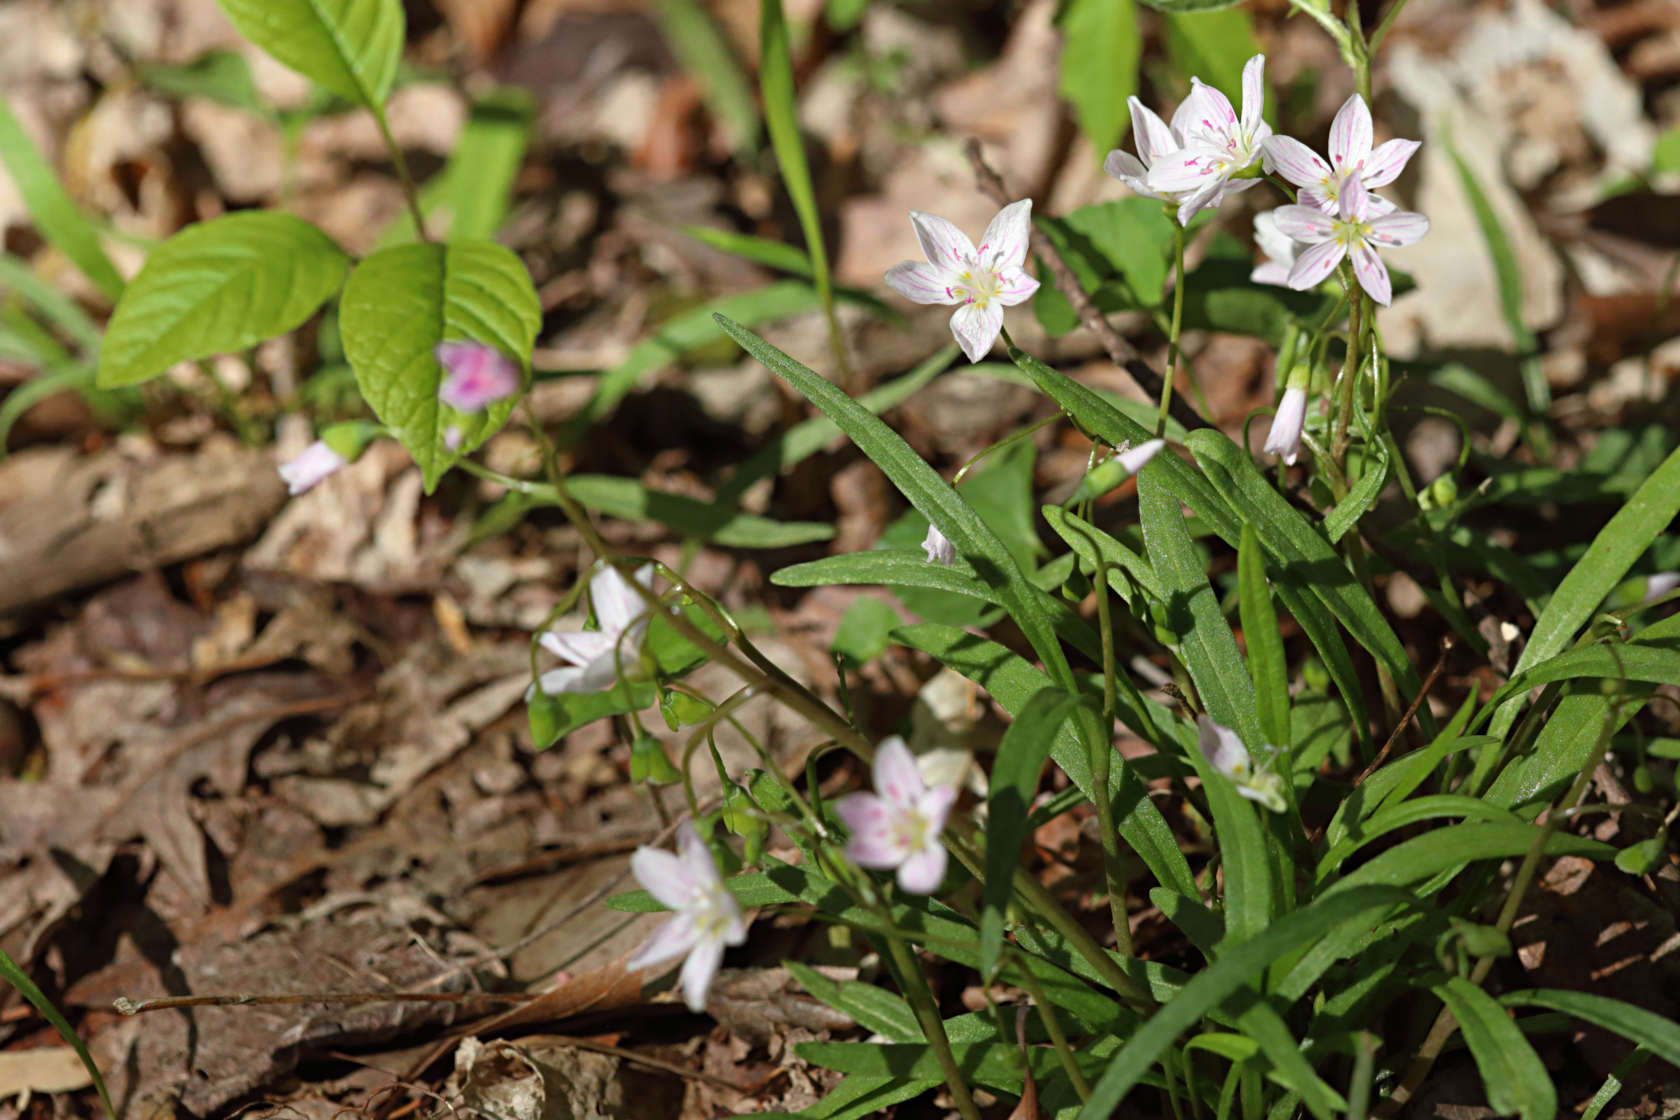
[{"x": 650, "y": 763}]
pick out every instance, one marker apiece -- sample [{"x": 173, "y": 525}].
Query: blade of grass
[
  {"x": 17, "y": 978},
  {"x": 51, "y": 209}
]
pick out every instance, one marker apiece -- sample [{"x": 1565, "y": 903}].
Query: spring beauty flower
[
  {"x": 593, "y": 656},
  {"x": 1356, "y": 231},
  {"x": 1278, "y": 249},
  {"x": 1217, "y": 143},
  {"x": 1111, "y": 472},
  {"x": 475, "y": 375},
  {"x": 898, "y": 826},
  {"x": 1350, "y": 154},
  {"x": 939, "y": 549},
  {"x": 315, "y": 463},
  {"x": 1155, "y": 140},
  {"x": 706, "y": 918},
  {"x": 981, "y": 281},
  {"x": 1225, "y": 752},
  {"x": 1284, "y": 440}
]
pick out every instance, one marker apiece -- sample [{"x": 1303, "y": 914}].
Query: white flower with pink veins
[
  {"x": 898, "y": 826},
  {"x": 981, "y": 282},
  {"x": 1350, "y": 154},
  {"x": 706, "y": 916},
  {"x": 1356, "y": 230}
]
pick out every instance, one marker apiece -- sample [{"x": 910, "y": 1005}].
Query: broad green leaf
[
  {"x": 682, "y": 333},
  {"x": 1210, "y": 653},
  {"x": 1266, "y": 663},
  {"x": 864, "y": 631},
  {"x": 1657, "y": 1033},
  {"x": 1020, "y": 758},
  {"x": 469, "y": 197},
  {"x": 552, "y": 718},
  {"x": 713, "y": 521},
  {"x": 19, "y": 979},
  {"x": 1233, "y": 970},
  {"x": 872, "y": 1008},
  {"x": 705, "y": 53},
  {"x": 1126, "y": 241},
  {"x": 1455, "y": 846},
  {"x": 1213, "y": 46},
  {"x": 1190, "y": 5},
  {"x": 1100, "y": 50},
  {"x": 1300, "y": 596},
  {"x": 54, "y": 215},
  {"x": 1219, "y": 296},
  {"x": 221, "y": 76},
  {"x": 1517, "y": 1081},
  {"x": 400, "y": 303},
  {"x": 219, "y": 287},
  {"x": 1629, "y": 533},
  {"x": 809, "y": 436},
  {"x": 1012, "y": 682},
  {"x": 348, "y": 47}
]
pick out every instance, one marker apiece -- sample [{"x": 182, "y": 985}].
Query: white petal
[
  {"x": 664, "y": 876},
  {"x": 1350, "y": 136},
  {"x": 1401, "y": 227},
  {"x": 307, "y": 469},
  {"x": 1133, "y": 459},
  {"x": 577, "y": 647},
  {"x": 976, "y": 327},
  {"x": 1303, "y": 223},
  {"x": 1387, "y": 161},
  {"x": 1284, "y": 439},
  {"x": 1296, "y": 162},
  {"x": 615, "y": 601},
  {"x": 1323, "y": 201},
  {"x": 1207, "y": 197},
  {"x": 874, "y": 841},
  {"x": 920, "y": 282},
  {"x": 1014, "y": 286},
  {"x": 557, "y": 682},
  {"x": 938, "y": 548},
  {"x": 934, "y": 807},
  {"x": 1150, "y": 133},
  {"x": 1274, "y": 243},
  {"x": 1188, "y": 169},
  {"x": 1004, "y": 244},
  {"x": 1314, "y": 264},
  {"x": 1214, "y": 118},
  {"x": 1253, "y": 94},
  {"x": 1184, "y": 118},
  {"x": 671, "y": 940},
  {"x": 698, "y": 865},
  {"x": 896, "y": 777},
  {"x": 1124, "y": 166},
  {"x": 602, "y": 673},
  {"x": 1353, "y": 201},
  {"x": 942, "y": 243},
  {"x": 698, "y": 970},
  {"x": 1222, "y": 747},
  {"x": 1372, "y": 274},
  {"x": 923, "y": 869},
  {"x": 1272, "y": 272}
]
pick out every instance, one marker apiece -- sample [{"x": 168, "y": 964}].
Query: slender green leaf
[
  {"x": 873, "y": 1009},
  {"x": 1227, "y": 975},
  {"x": 705, "y": 53},
  {"x": 856, "y": 1097},
  {"x": 634, "y": 501},
  {"x": 400, "y": 303},
  {"x": 1612, "y": 553},
  {"x": 348, "y": 47},
  {"x": 220, "y": 76},
  {"x": 1516, "y": 1080},
  {"x": 56, "y": 307},
  {"x": 19, "y": 979},
  {"x": 469, "y": 197},
  {"x": 1657, "y": 1033},
  {"x": 1265, "y": 644},
  {"x": 216, "y": 288},
  {"x": 781, "y": 116},
  {"x": 1361, "y": 497},
  {"x": 760, "y": 250},
  {"x": 1458, "y": 845},
  {"x": 1100, "y": 50},
  {"x": 1012, "y": 682},
  {"x": 1210, "y": 653},
  {"x": 54, "y": 215},
  {"x": 1406, "y": 813},
  {"x": 993, "y": 1064},
  {"x": 1020, "y": 757},
  {"x": 1608, "y": 661},
  {"x": 1126, "y": 569}
]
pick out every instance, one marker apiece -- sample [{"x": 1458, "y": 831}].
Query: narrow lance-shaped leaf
[
  {"x": 1516, "y": 1080},
  {"x": 219, "y": 287},
  {"x": 1265, "y": 644},
  {"x": 348, "y": 47},
  {"x": 52, "y": 211},
  {"x": 400, "y": 303}
]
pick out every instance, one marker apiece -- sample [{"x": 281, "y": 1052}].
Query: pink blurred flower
[
  {"x": 706, "y": 916},
  {"x": 475, "y": 375},
  {"x": 315, "y": 463},
  {"x": 1226, "y": 754},
  {"x": 981, "y": 281},
  {"x": 898, "y": 826}
]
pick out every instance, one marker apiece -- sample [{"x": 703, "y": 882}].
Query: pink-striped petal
[
  {"x": 942, "y": 243},
  {"x": 896, "y": 777},
  {"x": 1253, "y": 94},
  {"x": 1004, "y": 244},
  {"x": 1014, "y": 286},
  {"x": 1149, "y": 132},
  {"x": 1303, "y": 223},
  {"x": 921, "y": 282},
  {"x": 1208, "y": 196},
  {"x": 1314, "y": 264},
  {"x": 1187, "y": 169},
  {"x": 1353, "y": 200},
  {"x": 1350, "y": 136},
  {"x": 924, "y": 868},
  {"x": 1215, "y": 117},
  {"x": 976, "y": 327},
  {"x": 1372, "y": 274},
  {"x": 1387, "y": 161},
  {"x": 1297, "y": 162},
  {"x": 1402, "y": 227}
]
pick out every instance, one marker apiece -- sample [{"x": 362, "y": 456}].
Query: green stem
[
  {"x": 1053, "y": 1026},
  {"x": 1036, "y": 897},
  {"x": 933, "y": 1027},
  {"x": 1347, "y": 386},
  {"x": 1172, "y": 334},
  {"x": 410, "y": 195}
]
